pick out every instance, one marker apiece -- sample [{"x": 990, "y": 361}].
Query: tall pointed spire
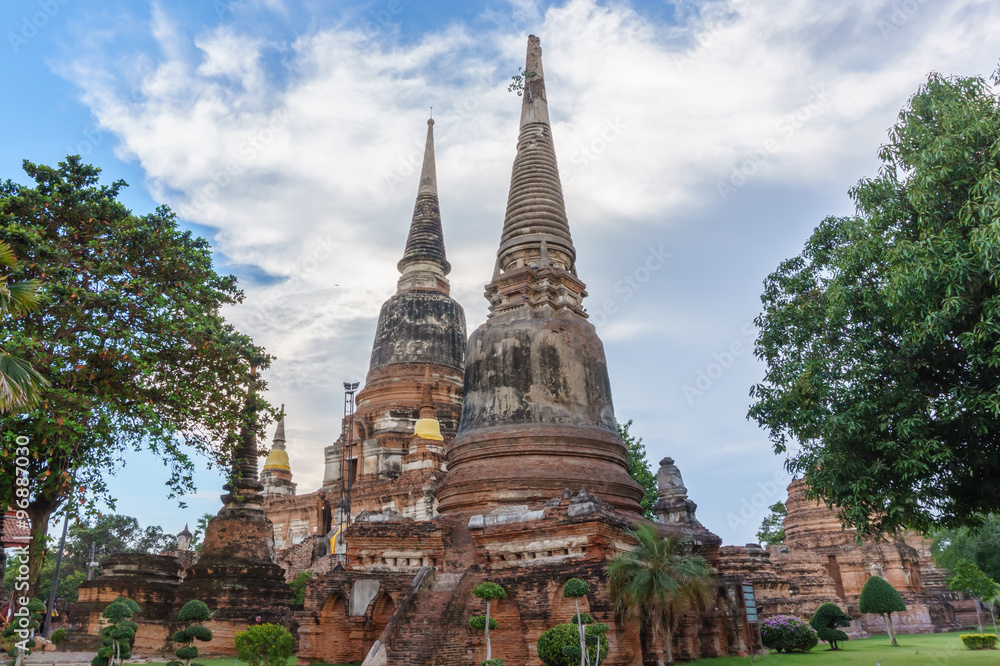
[
  {"x": 424, "y": 253},
  {"x": 279, "y": 432},
  {"x": 536, "y": 212}
]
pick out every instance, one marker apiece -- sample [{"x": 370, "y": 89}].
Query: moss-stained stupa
[{"x": 537, "y": 416}]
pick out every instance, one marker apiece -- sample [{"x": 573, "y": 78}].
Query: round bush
[
  {"x": 58, "y": 636},
  {"x": 551, "y": 643},
  {"x": 187, "y": 652},
  {"x": 788, "y": 633},
  {"x": 194, "y": 611}
]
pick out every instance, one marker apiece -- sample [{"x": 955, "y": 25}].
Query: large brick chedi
[
  {"x": 414, "y": 380},
  {"x": 537, "y": 414}
]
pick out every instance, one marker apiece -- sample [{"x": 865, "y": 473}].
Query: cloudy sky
[{"x": 713, "y": 134}]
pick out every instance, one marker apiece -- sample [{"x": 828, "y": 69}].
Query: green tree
[
  {"x": 193, "y": 613},
  {"x": 980, "y": 544},
  {"x": 772, "y": 529},
  {"x": 882, "y": 338},
  {"x": 20, "y": 382},
  {"x": 198, "y": 538},
  {"x": 639, "y": 469},
  {"x": 488, "y": 592},
  {"x": 825, "y": 621},
  {"x": 658, "y": 581},
  {"x": 969, "y": 578},
  {"x": 880, "y": 597},
  {"x": 130, "y": 336}
]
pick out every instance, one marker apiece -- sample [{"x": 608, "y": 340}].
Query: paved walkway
[{"x": 40, "y": 658}]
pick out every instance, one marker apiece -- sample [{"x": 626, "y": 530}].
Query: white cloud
[{"x": 309, "y": 175}]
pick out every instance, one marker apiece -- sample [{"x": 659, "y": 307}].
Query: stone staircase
[
  {"x": 434, "y": 607},
  {"x": 413, "y": 641}
]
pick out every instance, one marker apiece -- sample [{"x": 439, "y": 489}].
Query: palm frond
[
  {"x": 16, "y": 299},
  {"x": 7, "y": 257},
  {"x": 20, "y": 384}
]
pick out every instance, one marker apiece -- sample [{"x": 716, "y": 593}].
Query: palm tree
[
  {"x": 658, "y": 581},
  {"x": 20, "y": 383}
]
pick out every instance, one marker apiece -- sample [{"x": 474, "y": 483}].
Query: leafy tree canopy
[
  {"x": 980, "y": 545},
  {"x": 639, "y": 469},
  {"x": 129, "y": 335},
  {"x": 970, "y": 579},
  {"x": 882, "y": 339},
  {"x": 772, "y": 529}
]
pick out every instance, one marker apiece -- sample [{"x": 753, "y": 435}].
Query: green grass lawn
[{"x": 924, "y": 649}]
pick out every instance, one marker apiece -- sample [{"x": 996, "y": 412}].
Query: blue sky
[{"x": 288, "y": 133}]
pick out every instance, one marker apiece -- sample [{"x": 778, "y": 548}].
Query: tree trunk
[
  {"x": 579, "y": 633},
  {"x": 979, "y": 615},
  {"x": 489, "y": 654},
  {"x": 668, "y": 633},
  {"x": 892, "y": 632},
  {"x": 39, "y": 511}
]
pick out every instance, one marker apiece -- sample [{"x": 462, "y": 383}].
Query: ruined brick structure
[
  {"x": 820, "y": 561},
  {"x": 235, "y": 573}
]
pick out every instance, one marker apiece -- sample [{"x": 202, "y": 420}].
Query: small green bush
[
  {"x": 265, "y": 645},
  {"x": 59, "y": 636},
  {"x": 788, "y": 633},
  {"x": 979, "y": 641},
  {"x": 298, "y": 586},
  {"x": 194, "y": 611},
  {"x": 496, "y": 661}
]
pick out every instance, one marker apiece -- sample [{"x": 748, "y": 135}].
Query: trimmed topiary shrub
[
  {"x": 560, "y": 645},
  {"x": 787, "y": 633},
  {"x": 58, "y": 636},
  {"x": 265, "y": 645},
  {"x": 192, "y": 612},
  {"x": 825, "y": 621},
  {"x": 488, "y": 592},
  {"x": 119, "y": 634},
  {"x": 880, "y": 597},
  {"x": 979, "y": 641}
]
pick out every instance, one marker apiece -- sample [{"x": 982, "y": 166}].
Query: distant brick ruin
[
  {"x": 491, "y": 457},
  {"x": 820, "y": 561}
]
